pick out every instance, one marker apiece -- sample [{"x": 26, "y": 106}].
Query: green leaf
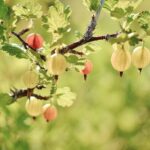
[
  {"x": 73, "y": 59},
  {"x": 65, "y": 97},
  {"x": 3, "y": 10},
  {"x": 5, "y": 99},
  {"x": 57, "y": 20},
  {"x": 109, "y": 4},
  {"x": 28, "y": 9},
  {"x": 14, "y": 50},
  {"x": 92, "y": 5},
  {"x": 118, "y": 13},
  {"x": 139, "y": 21},
  {"x": 133, "y": 41}
]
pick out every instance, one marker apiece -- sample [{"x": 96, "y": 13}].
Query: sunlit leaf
[
  {"x": 65, "y": 97},
  {"x": 14, "y": 50}
]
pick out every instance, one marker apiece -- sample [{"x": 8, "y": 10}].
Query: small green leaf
[
  {"x": 57, "y": 20},
  {"x": 3, "y": 10},
  {"x": 109, "y": 4},
  {"x": 65, "y": 97},
  {"x": 15, "y": 50},
  {"x": 133, "y": 41},
  {"x": 92, "y": 5},
  {"x": 118, "y": 13},
  {"x": 28, "y": 9},
  {"x": 5, "y": 99},
  {"x": 73, "y": 59}
]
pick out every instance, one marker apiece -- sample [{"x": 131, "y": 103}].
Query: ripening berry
[
  {"x": 121, "y": 59},
  {"x": 88, "y": 67},
  {"x": 34, "y": 107},
  {"x": 141, "y": 57},
  {"x": 35, "y": 40},
  {"x": 56, "y": 64},
  {"x": 49, "y": 112},
  {"x": 30, "y": 79}
]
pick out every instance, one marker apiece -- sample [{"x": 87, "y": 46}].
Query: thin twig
[
  {"x": 89, "y": 32},
  {"x": 16, "y": 94},
  {"x": 26, "y": 45},
  {"x": 81, "y": 42}
]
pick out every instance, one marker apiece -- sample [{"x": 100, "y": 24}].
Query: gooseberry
[
  {"x": 141, "y": 57},
  {"x": 30, "y": 79},
  {"x": 34, "y": 40},
  {"x": 49, "y": 112},
  {"x": 88, "y": 67},
  {"x": 121, "y": 59},
  {"x": 33, "y": 107},
  {"x": 56, "y": 64}
]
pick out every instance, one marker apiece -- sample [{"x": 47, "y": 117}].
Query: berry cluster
[
  {"x": 56, "y": 64},
  {"x": 121, "y": 58}
]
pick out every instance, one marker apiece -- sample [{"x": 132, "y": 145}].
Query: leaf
[
  {"x": 29, "y": 9},
  {"x": 133, "y": 41},
  {"x": 118, "y": 13},
  {"x": 65, "y": 97},
  {"x": 92, "y": 5},
  {"x": 3, "y": 10},
  {"x": 109, "y": 4},
  {"x": 139, "y": 21},
  {"x": 73, "y": 59},
  {"x": 14, "y": 50},
  {"x": 5, "y": 99},
  {"x": 57, "y": 20}
]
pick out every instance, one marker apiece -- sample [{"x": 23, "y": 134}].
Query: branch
[
  {"x": 16, "y": 94},
  {"x": 82, "y": 41},
  {"x": 26, "y": 45},
  {"x": 89, "y": 33}
]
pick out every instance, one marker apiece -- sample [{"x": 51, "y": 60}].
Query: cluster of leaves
[{"x": 56, "y": 22}]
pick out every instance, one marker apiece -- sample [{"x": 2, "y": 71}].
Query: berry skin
[
  {"x": 34, "y": 107},
  {"x": 56, "y": 64},
  {"x": 121, "y": 59},
  {"x": 49, "y": 112},
  {"x": 141, "y": 57},
  {"x": 35, "y": 40},
  {"x": 30, "y": 79},
  {"x": 88, "y": 67}
]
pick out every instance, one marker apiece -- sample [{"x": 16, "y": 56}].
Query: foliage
[{"x": 110, "y": 113}]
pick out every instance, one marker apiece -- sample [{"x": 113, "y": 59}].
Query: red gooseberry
[
  {"x": 49, "y": 112},
  {"x": 34, "y": 40},
  {"x": 88, "y": 67}
]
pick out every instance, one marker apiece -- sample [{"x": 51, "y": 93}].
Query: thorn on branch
[
  {"x": 23, "y": 31},
  {"x": 16, "y": 94},
  {"x": 26, "y": 45},
  {"x": 76, "y": 52}
]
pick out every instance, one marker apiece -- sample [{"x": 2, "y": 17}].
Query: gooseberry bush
[{"x": 50, "y": 60}]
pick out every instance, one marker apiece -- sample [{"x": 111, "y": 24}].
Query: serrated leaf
[
  {"x": 65, "y": 97},
  {"x": 28, "y": 9},
  {"x": 3, "y": 10},
  {"x": 14, "y": 50},
  {"x": 73, "y": 59},
  {"x": 57, "y": 20},
  {"x": 118, "y": 13},
  {"x": 109, "y": 4},
  {"x": 5, "y": 99},
  {"x": 92, "y": 5},
  {"x": 133, "y": 41}
]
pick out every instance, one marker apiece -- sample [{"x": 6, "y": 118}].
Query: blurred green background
[{"x": 110, "y": 113}]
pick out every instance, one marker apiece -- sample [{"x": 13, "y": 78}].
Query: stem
[
  {"x": 82, "y": 41},
  {"x": 26, "y": 45},
  {"x": 16, "y": 94},
  {"x": 89, "y": 32}
]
